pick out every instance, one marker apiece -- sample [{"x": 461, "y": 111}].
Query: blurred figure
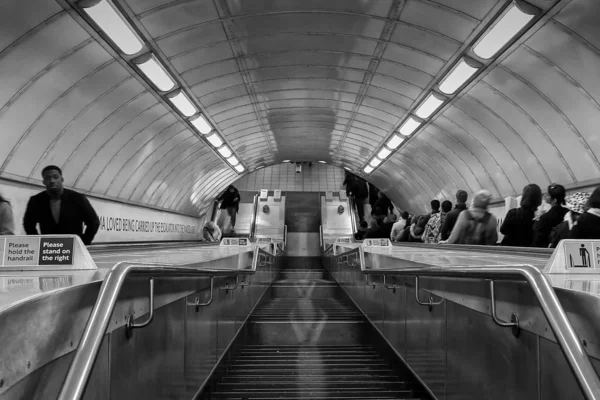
[
  {"x": 356, "y": 188},
  {"x": 418, "y": 227},
  {"x": 450, "y": 220},
  {"x": 7, "y": 222},
  {"x": 362, "y": 230},
  {"x": 387, "y": 225},
  {"x": 374, "y": 231},
  {"x": 588, "y": 224},
  {"x": 477, "y": 225},
  {"x": 384, "y": 204},
  {"x": 373, "y": 195},
  {"x": 211, "y": 232},
  {"x": 550, "y": 219},
  {"x": 398, "y": 227},
  {"x": 230, "y": 201},
  {"x": 446, "y": 209},
  {"x": 60, "y": 211},
  {"x": 517, "y": 227},
  {"x": 576, "y": 205}
]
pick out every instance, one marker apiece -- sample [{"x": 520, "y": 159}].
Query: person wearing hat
[
  {"x": 588, "y": 223},
  {"x": 476, "y": 225},
  {"x": 575, "y": 206},
  {"x": 553, "y": 217}
]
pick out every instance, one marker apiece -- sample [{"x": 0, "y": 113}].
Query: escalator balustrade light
[
  {"x": 234, "y": 161},
  {"x": 225, "y": 152},
  {"x": 368, "y": 169},
  {"x": 201, "y": 124},
  {"x": 240, "y": 168},
  {"x": 395, "y": 142},
  {"x": 348, "y": 169},
  {"x": 457, "y": 77},
  {"x": 323, "y": 162},
  {"x": 375, "y": 162},
  {"x": 512, "y": 21},
  {"x": 286, "y": 161},
  {"x": 384, "y": 153},
  {"x": 158, "y": 75},
  {"x": 215, "y": 140},
  {"x": 182, "y": 102},
  {"x": 113, "y": 24},
  {"x": 430, "y": 105}
]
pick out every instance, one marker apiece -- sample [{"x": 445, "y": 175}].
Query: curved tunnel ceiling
[{"x": 304, "y": 80}]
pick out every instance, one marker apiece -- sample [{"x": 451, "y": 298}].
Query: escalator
[{"x": 306, "y": 340}]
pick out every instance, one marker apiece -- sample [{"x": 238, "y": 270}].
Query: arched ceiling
[{"x": 304, "y": 80}]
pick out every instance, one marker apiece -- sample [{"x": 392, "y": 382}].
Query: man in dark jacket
[
  {"x": 230, "y": 201},
  {"x": 452, "y": 216},
  {"x": 60, "y": 211}
]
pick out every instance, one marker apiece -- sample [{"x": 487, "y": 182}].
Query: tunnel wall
[
  {"x": 318, "y": 178},
  {"x": 119, "y": 222}
]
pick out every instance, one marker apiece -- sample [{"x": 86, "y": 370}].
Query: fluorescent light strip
[
  {"x": 429, "y": 106},
  {"x": 156, "y": 73},
  {"x": 347, "y": 169},
  {"x": 384, "y": 153},
  {"x": 234, "y": 161},
  {"x": 215, "y": 140},
  {"x": 115, "y": 26},
  {"x": 461, "y": 73},
  {"x": 505, "y": 28},
  {"x": 201, "y": 124},
  {"x": 323, "y": 162},
  {"x": 375, "y": 162},
  {"x": 183, "y": 104},
  {"x": 225, "y": 152},
  {"x": 395, "y": 142},
  {"x": 368, "y": 169},
  {"x": 409, "y": 126},
  {"x": 240, "y": 168}
]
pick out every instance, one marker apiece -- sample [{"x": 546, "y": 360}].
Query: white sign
[
  {"x": 264, "y": 194},
  {"x": 376, "y": 243},
  {"x": 343, "y": 240},
  {"x": 581, "y": 254},
  {"x": 237, "y": 242}
]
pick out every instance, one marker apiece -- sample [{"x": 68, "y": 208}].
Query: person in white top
[{"x": 398, "y": 227}]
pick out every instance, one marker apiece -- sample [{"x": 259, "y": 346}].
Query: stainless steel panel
[
  {"x": 556, "y": 379},
  {"x": 395, "y": 304},
  {"x": 153, "y": 356},
  {"x": 426, "y": 340},
  {"x": 487, "y": 361}
]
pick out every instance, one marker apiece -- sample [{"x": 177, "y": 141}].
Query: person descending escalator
[
  {"x": 550, "y": 219},
  {"x": 230, "y": 201},
  {"x": 7, "y": 222},
  {"x": 517, "y": 227},
  {"x": 211, "y": 232}
]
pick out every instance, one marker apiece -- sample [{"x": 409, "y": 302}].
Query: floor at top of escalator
[{"x": 310, "y": 343}]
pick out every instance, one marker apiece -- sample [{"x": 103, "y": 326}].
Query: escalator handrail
[
  {"x": 574, "y": 353},
  {"x": 85, "y": 356}
]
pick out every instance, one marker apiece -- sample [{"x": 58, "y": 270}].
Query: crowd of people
[
  {"x": 568, "y": 217},
  {"x": 56, "y": 210}
]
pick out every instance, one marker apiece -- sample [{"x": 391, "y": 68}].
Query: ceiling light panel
[
  {"x": 215, "y": 140},
  {"x": 384, "y": 153},
  {"x": 106, "y": 16},
  {"x": 183, "y": 104},
  {"x": 409, "y": 126},
  {"x": 234, "y": 161},
  {"x": 460, "y": 74},
  {"x": 225, "y": 152},
  {"x": 506, "y": 27},
  {"x": 394, "y": 142},
  {"x": 157, "y": 74},
  {"x": 429, "y": 106},
  {"x": 240, "y": 168},
  {"x": 201, "y": 124},
  {"x": 375, "y": 162},
  {"x": 368, "y": 169}
]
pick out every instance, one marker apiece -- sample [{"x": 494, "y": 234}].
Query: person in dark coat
[
  {"x": 553, "y": 217},
  {"x": 588, "y": 224},
  {"x": 452, "y": 216},
  {"x": 517, "y": 227},
  {"x": 230, "y": 201},
  {"x": 60, "y": 211},
  {"x": 373, "y": 195},
  {"x": 383, "y": 204}
]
